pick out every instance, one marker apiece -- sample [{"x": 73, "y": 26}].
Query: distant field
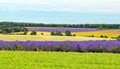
[
  {"x": 115, "y": 31},
  {"x": 58, "y": 60},
  {"x": 47, "y": 38},
  {"x": 96, "y": 34},
  {"x": 109, "y": 34},
  {"x": 62, "y": 29}
]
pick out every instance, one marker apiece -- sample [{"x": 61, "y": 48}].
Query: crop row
[
  {"x": 63, "y": 46},
  {"x": 49, "y": 29}
]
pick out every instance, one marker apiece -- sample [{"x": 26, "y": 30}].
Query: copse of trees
[
  {"x": 23, "y": 24},
  {"x": 56, "y": 33},
  {"x": 12, "y": 29},
  {"x": 68, "y": 33}
]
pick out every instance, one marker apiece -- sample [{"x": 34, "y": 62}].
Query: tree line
[{"x": 24, "y": 24}]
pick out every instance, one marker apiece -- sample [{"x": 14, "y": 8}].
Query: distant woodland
[{"x": 24, "y": 24}]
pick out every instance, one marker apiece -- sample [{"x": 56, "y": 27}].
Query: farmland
[
  {"x": 59, "y": 46},
  {"x": 85, "y": 32},
  {"x": 96, "y": 34},
  {"x": 62, "y": 29},
  {"x": 58, "y": 60},
  {"x": 47, "y": 38},
  {"x": 63, "y": 46}
]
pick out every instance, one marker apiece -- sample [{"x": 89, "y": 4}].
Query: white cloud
[{"x": 104, "y": 6}]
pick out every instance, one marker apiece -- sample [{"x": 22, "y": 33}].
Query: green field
[
  {"x": 47, "y": 38},
  {"x": 58, "y": 60}
]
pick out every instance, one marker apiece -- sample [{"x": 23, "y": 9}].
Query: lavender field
[
  {"x": 59, "y": 34},
  {"x": 63, "y": 46},
  {"x": 49, "y": 29}
]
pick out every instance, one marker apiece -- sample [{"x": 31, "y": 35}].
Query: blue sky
[{"x": 61, "y": 11}]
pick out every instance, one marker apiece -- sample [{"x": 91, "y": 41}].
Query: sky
[{"x": 61, "y": 11}]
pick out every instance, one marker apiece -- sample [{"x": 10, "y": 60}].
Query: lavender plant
[{"x": 63, "y": 46}]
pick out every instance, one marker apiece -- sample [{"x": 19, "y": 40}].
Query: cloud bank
[{"x": 98, "y": 6}]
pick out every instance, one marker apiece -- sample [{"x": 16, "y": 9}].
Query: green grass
[
  {"x": 58, "y": 60},
  {"x": 47, "y": 38}
]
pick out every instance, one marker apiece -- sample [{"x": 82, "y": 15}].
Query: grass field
[
  {"x": 47, "y": 38},
  {"x": 58, "y": 60}
]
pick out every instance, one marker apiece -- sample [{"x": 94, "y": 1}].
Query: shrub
[
  {"x": 25, "y": 32},
  {"x": 57, "y": 33},
  {"x": 105, "y": 37},
  {"x": 74, "y": 34},
  {"x": 0, "y": 47},
  {"x": 19, "y": 47},
  {"x": 116, "y": 49},
  {"x": 118, "y": 38},
  {"x": 101, "y": 36},
  {"x": 96, "y": 49},
  {"x": 42, "y": 33},
  {"x": 52, "y": 32},
  {"x": 33, "y": 33},
  {"x": 92, "y": 35},
  {"x": 67, "y": 33},
  {"x": 58, "y": 48},
  {"x": 36, "y": 49},
  {"x": 99, "y": 49},
  {"x": 7, "y": 48}
]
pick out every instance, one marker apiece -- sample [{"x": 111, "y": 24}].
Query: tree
[
  {"x": 100, "y": 28},
  {"x": 58, "y": 33},
  {"x": 52, "y": 32},
  {"x": 74, "y": 34},
  {"x": 101, "y": 36},
  {"x": 42, "y": 33},
  {"x": 119, "y": 27},
  {"x": 33, "y": 33},
  {"x": 105, "y": 37},
  {"x": 118, "y": 38},
  {"x": 25, "y": 32},
  {"x": 67, "y": 33}
]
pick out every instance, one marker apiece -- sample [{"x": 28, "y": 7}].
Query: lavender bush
[{"x": 64, "y": 46}]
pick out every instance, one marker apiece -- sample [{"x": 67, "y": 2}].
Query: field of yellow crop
[
  {"x": 111, "y": 31},
  {"x": 47, "y": 38},
  {"x": 108, "y": 33},
  {"x": 38, "y": 33},
  {"x": 96, "y": 34}
]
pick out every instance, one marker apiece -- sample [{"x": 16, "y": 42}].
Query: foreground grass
[
  {"x": 47, "y": 38},
  {"x": 58, "y": 60}
]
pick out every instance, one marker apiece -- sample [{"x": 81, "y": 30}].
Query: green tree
[
  {"x": 101, "y": 36},
  {"x": 25, "y": 32},
  {"x": 42, "y": 33},
  {"x": 100, "y": 27},
  {"x": 118, "y": 38},
  {"x": 33, "y": 33},
  {"x": 58, "y": 33},
  {"x": 67, "y": 33},
  {"x": 52, "y": 32}
]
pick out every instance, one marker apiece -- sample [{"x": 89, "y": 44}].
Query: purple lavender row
[
  {"x": 49, "y": 29},
  {"x": 64, "y": 46}
]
